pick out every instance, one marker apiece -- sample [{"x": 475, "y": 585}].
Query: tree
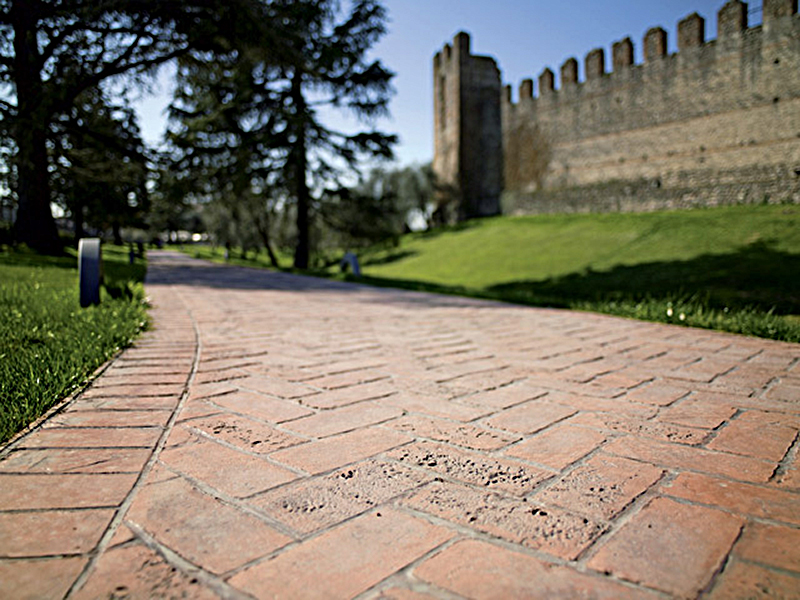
[
  {"x": 100, "y": 166},
  {"x": 52, "y": 51},
  {"x": 170, "y": 209},
  {"x": 384, "y": 205},
  {"x": 255, "y": 110},
  {"x": 225, "y": 150}
]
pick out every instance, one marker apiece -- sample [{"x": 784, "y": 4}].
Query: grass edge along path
[
  {"x": 733, "y": 269},
  {"x": 49, "y": 346}
]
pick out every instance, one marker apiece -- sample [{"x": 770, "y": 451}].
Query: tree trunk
[
  {"x": 117, "y": 233},
  {"x": 301, "y": 254},
  {"x": 35, "y": 225},
  {"x": 264, "y": 233},
  {"x": 77, "y": 219}
]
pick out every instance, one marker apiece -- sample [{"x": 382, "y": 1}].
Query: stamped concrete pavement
[{"x": 281, "y": 436}]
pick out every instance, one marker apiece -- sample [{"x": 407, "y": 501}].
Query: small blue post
[{"x": 89, "y": 270}]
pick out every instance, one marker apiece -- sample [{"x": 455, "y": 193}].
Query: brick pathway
[{"x": 283, "y": 436}]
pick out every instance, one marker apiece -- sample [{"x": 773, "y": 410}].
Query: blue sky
[{"x": 524, "y": 36}]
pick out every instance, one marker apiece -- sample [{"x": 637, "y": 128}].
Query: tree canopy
[
  {"x": 250, "y": 122},
  {"x": 255, "y": 80},
  {"x": 53, "y": 51}
]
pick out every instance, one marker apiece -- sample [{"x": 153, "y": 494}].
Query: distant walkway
[{"x": 283, "y": 436}]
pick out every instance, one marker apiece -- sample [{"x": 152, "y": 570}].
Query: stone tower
[{"x": 468, "y": 142}]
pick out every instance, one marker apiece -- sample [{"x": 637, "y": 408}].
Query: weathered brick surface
[
  {"x": 332, "y": 452},
  {"x": 211, "y": 534},
  {"x": 658, "y": 392},
  {"x": 665, "y": 432},
  {"x": 317, "y": 503},
  {"x": 95, "y": 437},
  {"x": 130, "y": 403},
  {"x": 39, "y": 579},
  {"x": 260, "y": 406},
  {"x": 679, "y": 456},
  {"x": 509, "y": 452},
  {"x": 742, "y": 498},
  {"x": 398, "y": 593},
  {"x": 476, "y": 569},
  {"x": 230, "y": 471},
  {"x": 51, "y": 532},
  {"x": 468, "y": 436},
  {"x": 111, "y": 418},
  {"x": 694, "y": 412},
  {"x": 112, "y": 460},
  {"x": 350, "y": 395},
  {"x": 504, "y": 397},
  {"x": 276, "y": 387},
  {"x": 531, "y": 416},
  {"x": 558, "y": 447},
  {"x": 37, "y": 491},
  {"x": 345, "y": 561},
  {"x": 759, "y": 434},
  {"x": 753, "y": 582},
  {"x": 437, "y": 406},
  {"x": 331, "y": 422},
  {"x": 774, "y": 545},
  {"x": 246, "y": 434},
  {"x": 135, "y": 571},
  {"x": 552, "y": 530},
  {"x": 147, "y": 390},
  {"x": 652, "y": 548},
  {"x": 601, "y": 487},
  {"x": 581, "y": 398},
  {"x": 489, "y": 472}
]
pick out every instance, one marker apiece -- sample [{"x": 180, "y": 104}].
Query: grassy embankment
[
  {"x": 48, "y": 344},
  {"x": 733, "y": 269}
]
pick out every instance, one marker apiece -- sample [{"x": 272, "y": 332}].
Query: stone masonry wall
[
  {"x": 468, "y": 155},
  {"x": 717, "y": 122}
]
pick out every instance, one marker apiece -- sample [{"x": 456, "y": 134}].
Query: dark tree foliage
[
  {"x": 99, "y": 165},
  {"x": 226, "y": 154},
  {"x": 169, "y": 203},
  {"x": 53, "y": 51},
  {"x": 251, "y": 117}
]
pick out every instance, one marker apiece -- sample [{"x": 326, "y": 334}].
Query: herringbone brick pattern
[{"x": 279, "y": 436}]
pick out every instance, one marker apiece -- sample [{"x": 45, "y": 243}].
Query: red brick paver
[{"x": 281, "y": 436}]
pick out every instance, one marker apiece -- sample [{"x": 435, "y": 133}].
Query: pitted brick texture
[
  {"x": 468, "y": 436},
  {"x": 664, "y": 432},
  {"x": 333, "y": 440},
  {"x": 317, "y": 503},
  {"x": 492, "y": 473},
  {"x": 528, "y": 523},
  {"x": 601, "y": 487},
  {"x": 244, "y": 433}
]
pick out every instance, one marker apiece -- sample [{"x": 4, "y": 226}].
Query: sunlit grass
[
  {"x": 734, "y": 269},
  {"x": 48, "y": 344}
]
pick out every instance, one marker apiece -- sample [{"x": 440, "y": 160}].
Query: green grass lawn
[
  {"x": 48, "y": 344},
  {"x": 733, "y": 268}
]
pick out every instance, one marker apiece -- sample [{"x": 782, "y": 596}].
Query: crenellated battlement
[
  {"x": 732, "y": 29},
  {"x": 702, "y": 116}
]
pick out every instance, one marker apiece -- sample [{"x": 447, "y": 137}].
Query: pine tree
[{"x": 255, "y": 111}]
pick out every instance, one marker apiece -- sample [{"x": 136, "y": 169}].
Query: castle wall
[{"x": 716, "y": 122}]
